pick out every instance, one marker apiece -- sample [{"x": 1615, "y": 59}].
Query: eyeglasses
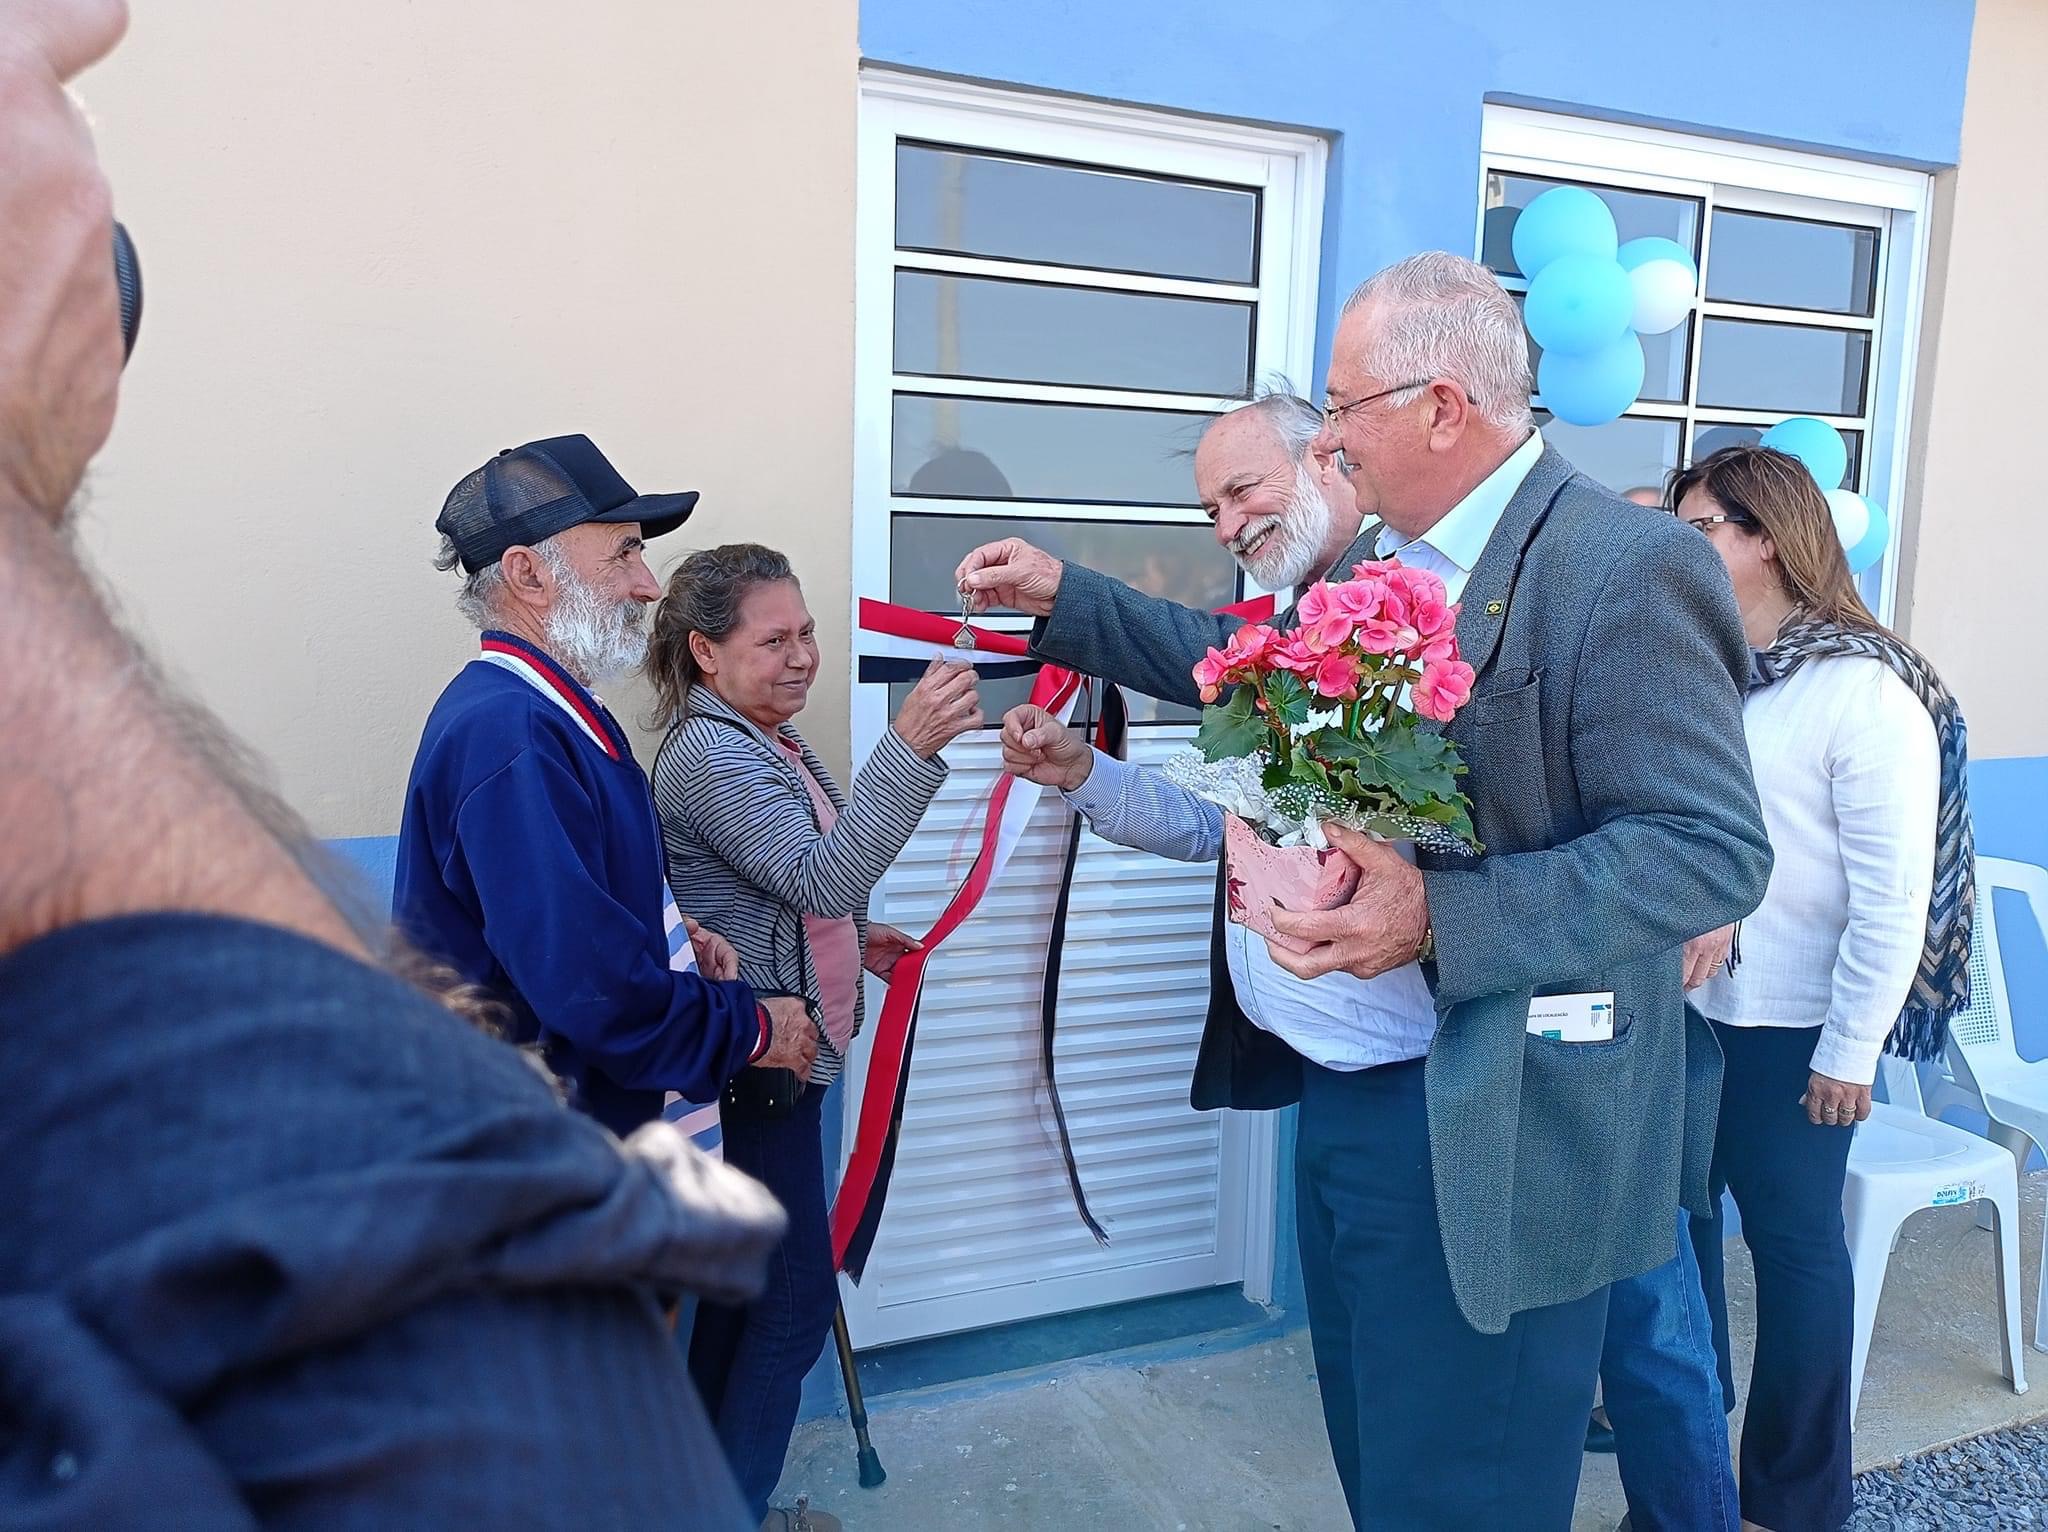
[
  {"x": 1332, "y": 413},
  {"x": 1700, "y": 524}
]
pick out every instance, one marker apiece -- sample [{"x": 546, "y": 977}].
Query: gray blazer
[
  {"x": 745, "y": 855},
  {"x": 1611, "y": 786}
]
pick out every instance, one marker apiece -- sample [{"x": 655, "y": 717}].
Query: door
[{"x": 1054, "y": 298}]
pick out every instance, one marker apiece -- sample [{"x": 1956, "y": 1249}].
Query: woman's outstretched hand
[{"x": 942, "y": 706}]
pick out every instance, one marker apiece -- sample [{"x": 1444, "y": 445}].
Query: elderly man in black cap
[{"x": 529, "y": 860}]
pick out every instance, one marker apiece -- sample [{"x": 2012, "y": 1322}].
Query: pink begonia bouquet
[{"x": 1323, "y": 723}]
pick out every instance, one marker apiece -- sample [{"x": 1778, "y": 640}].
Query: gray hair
[
  {"x": 1292, "y": 418},
  {"x": 1442, "y": 316},
  {"x": 478, "y": 598}
]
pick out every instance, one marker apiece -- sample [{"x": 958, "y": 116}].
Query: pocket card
[{"x": 1587, "y": 1018}]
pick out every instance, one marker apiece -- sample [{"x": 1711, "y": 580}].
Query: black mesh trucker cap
[{"x": 527, "y": 494}]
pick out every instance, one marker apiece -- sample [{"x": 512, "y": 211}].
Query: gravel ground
[{"x": 1998, "y": 1480}]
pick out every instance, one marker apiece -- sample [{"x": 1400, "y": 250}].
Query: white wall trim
[{"x": 1660, "y": 152}]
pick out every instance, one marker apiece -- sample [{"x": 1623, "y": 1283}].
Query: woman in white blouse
[{"x": 1850, "y": 767}]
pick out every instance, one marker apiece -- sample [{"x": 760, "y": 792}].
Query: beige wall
[
  {"x": 383, "y": 240},
  {"x": 1975, "y": 582}
]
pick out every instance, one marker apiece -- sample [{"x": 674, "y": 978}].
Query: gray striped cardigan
[{"x": 745, "y": 857}]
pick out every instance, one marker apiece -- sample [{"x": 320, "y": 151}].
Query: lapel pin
[{"x": 1495, "y": 608}]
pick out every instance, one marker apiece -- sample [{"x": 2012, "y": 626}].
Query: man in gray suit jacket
[{"x": 1468, "y": 1190}]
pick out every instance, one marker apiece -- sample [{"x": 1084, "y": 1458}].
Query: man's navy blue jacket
[
  {"x": 530, "y": 862},
  {"x": 285, "y": 1244}
]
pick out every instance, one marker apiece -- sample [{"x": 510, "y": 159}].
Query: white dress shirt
[
  {"x": 1849, "y": 774},
  {"x": 1338, "y": 1021}
]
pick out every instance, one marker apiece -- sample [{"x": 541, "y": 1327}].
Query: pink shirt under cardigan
[{"x": 834, "y": 943}]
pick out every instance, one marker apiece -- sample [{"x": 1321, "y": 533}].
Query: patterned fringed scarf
[{"x": 1941, "y": 987}]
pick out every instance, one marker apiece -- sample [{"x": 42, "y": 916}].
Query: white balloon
[
  {"x": 1663, "y": 292},
  {"x": 1851, "y": 515}
]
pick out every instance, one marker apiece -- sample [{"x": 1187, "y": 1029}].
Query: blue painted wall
[{"x": 1399, "y": 84}]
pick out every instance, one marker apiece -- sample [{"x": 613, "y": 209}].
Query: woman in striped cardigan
[{"x": 765, "y": 850}]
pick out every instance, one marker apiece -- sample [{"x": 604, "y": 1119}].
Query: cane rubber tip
[{"x": 871, "y": 1473}]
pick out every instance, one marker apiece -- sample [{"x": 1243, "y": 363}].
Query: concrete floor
[{"x": 1226, "y": 1434}]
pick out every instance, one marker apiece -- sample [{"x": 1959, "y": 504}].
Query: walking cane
[{"x": 871, "y": 1472}]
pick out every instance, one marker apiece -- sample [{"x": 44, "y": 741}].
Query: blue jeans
[
  {"x": 1435, "y": 1427},
  {"x": 749, "y": 1360},
  {"x": 1662, "y": 1389}
]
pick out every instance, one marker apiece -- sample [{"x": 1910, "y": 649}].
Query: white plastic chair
[
  {"x": 1901, "y": 1162},
  {"x": 1985, "y": 1070}
]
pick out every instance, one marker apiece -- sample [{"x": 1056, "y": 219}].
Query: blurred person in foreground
[
  {"x": 287, "y": 1244},
  {"x": 1862, "y": 938},
  {"x": 780, "y": 862}
]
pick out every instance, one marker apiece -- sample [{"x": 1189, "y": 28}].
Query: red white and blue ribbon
[
  {"x": 699, "y": 1119},
  {"x": 908, "y": 640}
]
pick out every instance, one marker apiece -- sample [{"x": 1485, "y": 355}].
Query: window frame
[
  {"x": 1289, "y": 167},
  {"x": 1779, "y": 182},
  {"x": 1285, "y": 169}
]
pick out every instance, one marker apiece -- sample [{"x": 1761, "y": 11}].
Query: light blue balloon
[
  {"x": 1870, "y": 547},
  {"x": 1579, "y": 304},
  {"x": 1652, "y": 247},
  {"x": 1592, "y": 390},
  {"x": 1816, "y": 444},
  {"x": 1566, "y": 220}
]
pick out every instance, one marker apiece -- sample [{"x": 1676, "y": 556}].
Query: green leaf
[
  {"x": 1366, "y": 756},
  {"x": 1421, "y": 763},
  {"x": 1452, "y": 813},
  {"x": 1232, "y": 728},
  {"x": 1288, "y": 699}
]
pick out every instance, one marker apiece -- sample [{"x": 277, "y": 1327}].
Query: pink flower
[
  {"x": 1376, "y": 569},
  {"x": 1428, "y": 613},
  {"x": 1325, "y": 622},
  {"x": 1336, "y": 676},
  {"x": 1380, "y": 635},
  {"x": 1315, "y": 603},
  {"x": 1249, "y": 644},
  {"x": 1444, "y": 688},
  {"x": 1296, "y": 654},
  {"x": 1444, "y": 646},
  {"x": 1236, "y": 661},
  {"x": 1362, "y": 597}
]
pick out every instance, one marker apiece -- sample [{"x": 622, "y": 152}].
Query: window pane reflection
[
  {"x": 1625, "y": 454},
  {"x": 1802, "y": 369},
  {"x": 1000, "y": 449},
  {"x": 1710, "y": 438},
  {"x": 1181, "y": 563},
  {"x": 1028, "y": 210},
  {"x": 1792, "y": 263},
  {"x": 1031, "y": 332},
  {"x": 1636, "y": 214}
]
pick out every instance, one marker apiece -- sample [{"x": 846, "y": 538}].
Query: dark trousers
[
  {"x": 749, "y": 1360},
  {"x": 1786, "y": 1177},
  {"x": 1434, "y": 1425}
]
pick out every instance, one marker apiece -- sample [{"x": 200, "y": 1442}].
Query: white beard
[
  {"x": 594, "y": 639},
  {"x": 1293, "y": 549}
]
